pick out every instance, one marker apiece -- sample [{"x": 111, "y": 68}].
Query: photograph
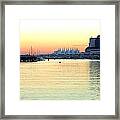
[{"x": 59, "y": 59}]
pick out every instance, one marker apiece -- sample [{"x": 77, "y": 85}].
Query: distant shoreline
[{"x": 60, "y": 60}]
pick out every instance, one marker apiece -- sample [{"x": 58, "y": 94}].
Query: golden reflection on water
[{"x": 68, "y": 80}]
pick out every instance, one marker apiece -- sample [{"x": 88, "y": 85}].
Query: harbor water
[{"x": 60, "y": 79}]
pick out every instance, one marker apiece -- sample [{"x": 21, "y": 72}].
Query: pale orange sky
[{"x": 45, "y": 36}]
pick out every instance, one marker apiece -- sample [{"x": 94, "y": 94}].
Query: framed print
[{"x": 59, "y": 60}]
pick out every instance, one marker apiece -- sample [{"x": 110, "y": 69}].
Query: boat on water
[
  {"x": 31, "y": 57},
  {"x": 28, "y": 58}
]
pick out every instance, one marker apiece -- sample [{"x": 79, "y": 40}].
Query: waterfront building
[
  {"x": 94, "y": 42},
  {"x": 93, "y": 50},
  {"x": 68, "y": 51}
]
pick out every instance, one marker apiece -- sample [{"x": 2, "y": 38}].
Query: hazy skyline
[{"x": 45, "y": 36}]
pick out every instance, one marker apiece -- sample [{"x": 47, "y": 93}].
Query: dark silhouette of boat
[{"x": 28, "y": 58}]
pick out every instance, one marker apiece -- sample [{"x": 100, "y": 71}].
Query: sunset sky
[{"x": 45, "y": 36}]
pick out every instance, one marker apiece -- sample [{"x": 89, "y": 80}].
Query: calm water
[{"x": 68, "y": 80}]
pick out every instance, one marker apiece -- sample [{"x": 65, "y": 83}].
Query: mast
[{"x": 31, "y": 50}]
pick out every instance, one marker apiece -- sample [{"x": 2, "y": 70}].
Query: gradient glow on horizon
[{"x": 46, "y": 36}]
